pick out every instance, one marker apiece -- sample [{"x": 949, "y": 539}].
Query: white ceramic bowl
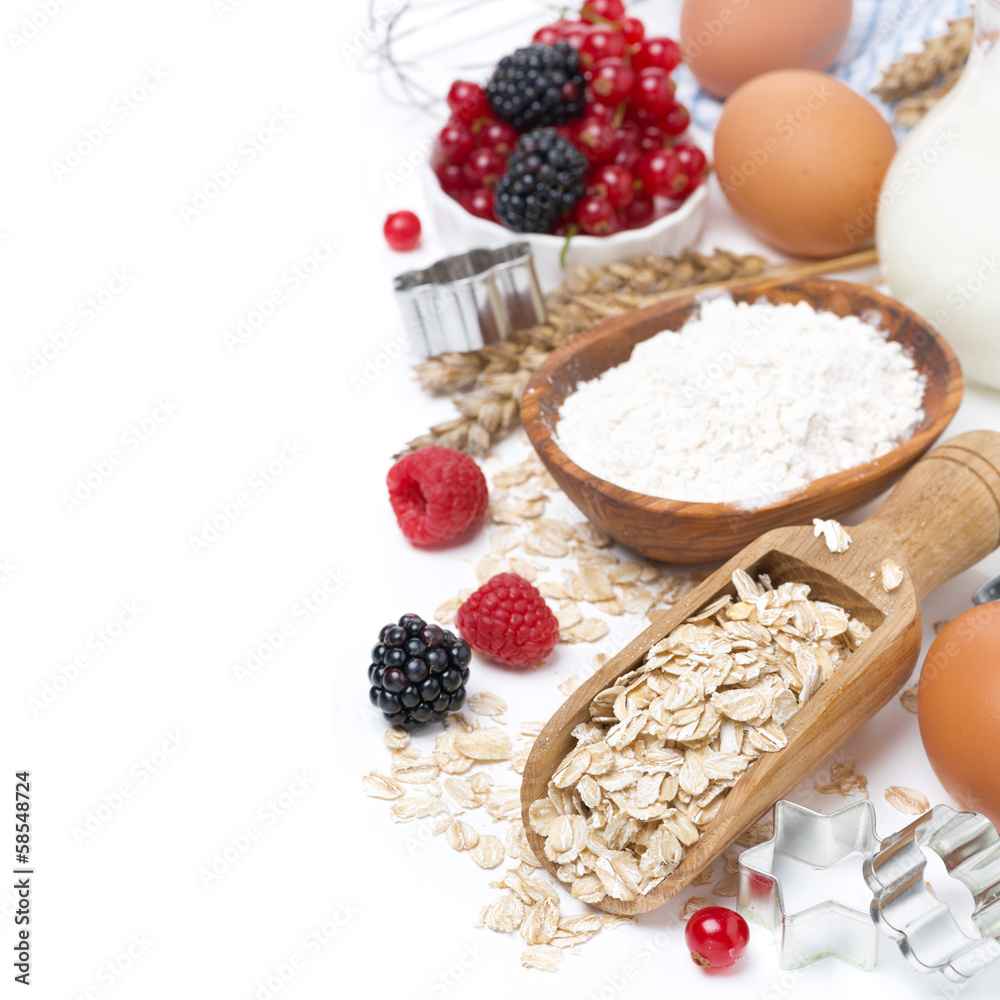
[{"x": 461, "y": 231}]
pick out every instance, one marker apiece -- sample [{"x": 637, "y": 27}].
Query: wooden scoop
[{"x": 942, "y": 518}]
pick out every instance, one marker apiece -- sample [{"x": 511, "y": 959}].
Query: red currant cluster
[{"x": 629, "y": 131}]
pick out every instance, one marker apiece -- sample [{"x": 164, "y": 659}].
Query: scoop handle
[{"x": 944, "y": 515}]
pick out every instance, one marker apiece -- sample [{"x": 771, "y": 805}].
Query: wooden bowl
[{"x": 682, "y": 532}]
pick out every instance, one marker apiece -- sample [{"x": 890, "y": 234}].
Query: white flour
[{"x": 744, "y": 403}]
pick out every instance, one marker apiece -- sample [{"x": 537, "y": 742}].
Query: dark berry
[
  {"x": 451, "y": 680},
  {"x": 436, "y": 660},
  {"x": 441, "y": 702},
  {"x": 395, "y": 636},
  {"x": 544, "y": 180},
  {"x": 432, "y": 635},
  {"x": 465, "y": 674},
  {"x": 417, "y": 671},
  {"x": 372, "y": 670},
  {"x": 405, "y": 620},
  {"x": 378, "y": 651},
  {"x": 394, "y": 657},
  {"x": 414, "y": 647},
  {"x": 373, "y": 694},
  {"x": 394, "y": 680},
  {"x": 389, "y": 703},
  {"x": 385, "y": 631},
  {"x": 457, "y": 699},
  {"x": 450, "y": 638},
  {"x": 376, "y": 676},
  {"x": 430, "y": 689},
  {"x": 460, "y": 654},
  {"x": 410, "y": 697},
  {"x": 538, "y": 85},
  {"x": 422, "y": 713}
]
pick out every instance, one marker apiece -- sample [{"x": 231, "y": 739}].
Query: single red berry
[
  {"x": 467, "y": 101},
  {"x": 436, "y": 494},
  {"x": 639, "y": 212},
  {"x": 676, "y": 120},
  {"x": 456, "y": 142},
  {"x": 508, "y": 619},
  {"x": 612, "y": 80},
  {"x": 716, "y": 937},
  {"x": 595, "y": 216},
  {"x": 661, "y": 173},
  {"x": 628, "y": 157},
  {"x": 601, "y": 43},
  {"x": 614, "y": 183},
  {"x": 695, "y": 165},
  {"x": 652, "y": 137},
  {"x": 548, "y": 35},
  {"x": 451, "y": 177},
  {"x": 601, "y": 11},
  {"x": 654, "y": 92},
  {"x": 402, "y": 231},
  {"x": 484, "y": 168},
  {"x": 597, "y": 140},
  {"x": 594, "y": 109},
  {"x": 480, "y": 204},
  {"x": 499, "y": 136},
  {"x": 634, "y": 31},
  {"x": 573, "y": 32},
  {"x": 664, "y": 53}
]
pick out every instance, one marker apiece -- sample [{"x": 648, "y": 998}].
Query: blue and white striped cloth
[{"x": 881, "y": 31}]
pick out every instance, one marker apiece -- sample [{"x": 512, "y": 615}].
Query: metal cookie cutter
[
  {"x": 465, "y": 302},
  {"x": 903, "y": 906}
]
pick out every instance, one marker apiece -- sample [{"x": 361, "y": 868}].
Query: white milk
[{"x": 938, "y": 227}]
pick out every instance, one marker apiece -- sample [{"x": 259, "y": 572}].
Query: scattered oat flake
[
  {"x": 569, "y": 685},
  {"x": 396, "y": 738},
  {"x": 381, "y": 786},
  {"x": 844, "y": 780},
  {"x": 504, "y": 914},
  {"x": 726, "y": 887},
  {"x": 909, "y": 699},
  {"x": 541, "y": 956},
  {"x": 907, "y": 800},
  {"x": 892, "y": 575},
  {"x": 461, "y": 836},
  {"x": 833, "y": 533},
  {"x": 484, "y": 744},
  {"x": 693, "y": 905},
  {"x": 589, "y": 630},
  {"x": 940, "y": 625},
  {"x": 487, "y": 703},
  {"x": 488, "y": 852},
  {"x": 405, "y": 810}
]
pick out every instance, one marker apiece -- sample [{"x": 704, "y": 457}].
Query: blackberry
[
  {"x": 544, "y": 180},
  {"x": 539, "y": 85},
  {"x": 422, "y": 678}
]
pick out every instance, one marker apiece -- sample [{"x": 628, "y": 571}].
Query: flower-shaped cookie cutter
[
  {"x": 903, "y": 908},
  {"x": 477, "y": 298}
]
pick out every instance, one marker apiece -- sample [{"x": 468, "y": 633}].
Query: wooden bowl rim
[{"x": 538, "y": 388}]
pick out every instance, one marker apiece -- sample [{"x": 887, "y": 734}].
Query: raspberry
[
  {"x": 436, "y": 494},
  {"x": 509, "y": 620}
]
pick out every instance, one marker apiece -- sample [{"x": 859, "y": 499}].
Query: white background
[{"x": 133, "y": 879}]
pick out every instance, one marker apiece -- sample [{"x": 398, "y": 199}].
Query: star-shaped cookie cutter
[
  {"x": 904, "y": 907},
  {"x": 830, "y": 927}
]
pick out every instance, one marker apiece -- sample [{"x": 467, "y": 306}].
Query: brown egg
[
  {"x": 958, "y": 705},
  {"x": 727, "y": 42},
  {"x": 801, "y": 157}
]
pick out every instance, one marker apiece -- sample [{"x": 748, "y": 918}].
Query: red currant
[
  {"x": 652, "y": 138},
  {"x": 692, "y": 158},
  {"x": 628, "y": 156},
  {"x": 573, "y": 32},
  {"x": 480, "y": 204},
  {"x": 654, "y": 92},
  {"x": 664, "y": 53},
  {"x": 599, "y": 11},
  {"x": 499, "y": 136},
  {"x": 717, "y": 937},
  {"x": 595, "y": 216},
  {"x": 451, "y": 177},
  {"x": 455, "y": 142},
  {"x": 634, "y": 32},
  {"x": 612, "y": 80},
  {"x": 639, "y": 211},
  {"x": 593, "y": 109},
  {"x": 614, "y": 183},
  {"x": 661, "y": 173},
  {"x": 676, "y": 120},
  {"x": 402, "y": 231},
  {"x": 467, "y": 102},
  {"x": 597, "y": 140},
  {"x": 484, "y": 168},
  {"x": 601, "y": 43},
  {"x": 548, "y": 35}
]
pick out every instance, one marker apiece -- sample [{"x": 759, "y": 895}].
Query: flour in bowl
[{"x": 744, "y": 403}]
